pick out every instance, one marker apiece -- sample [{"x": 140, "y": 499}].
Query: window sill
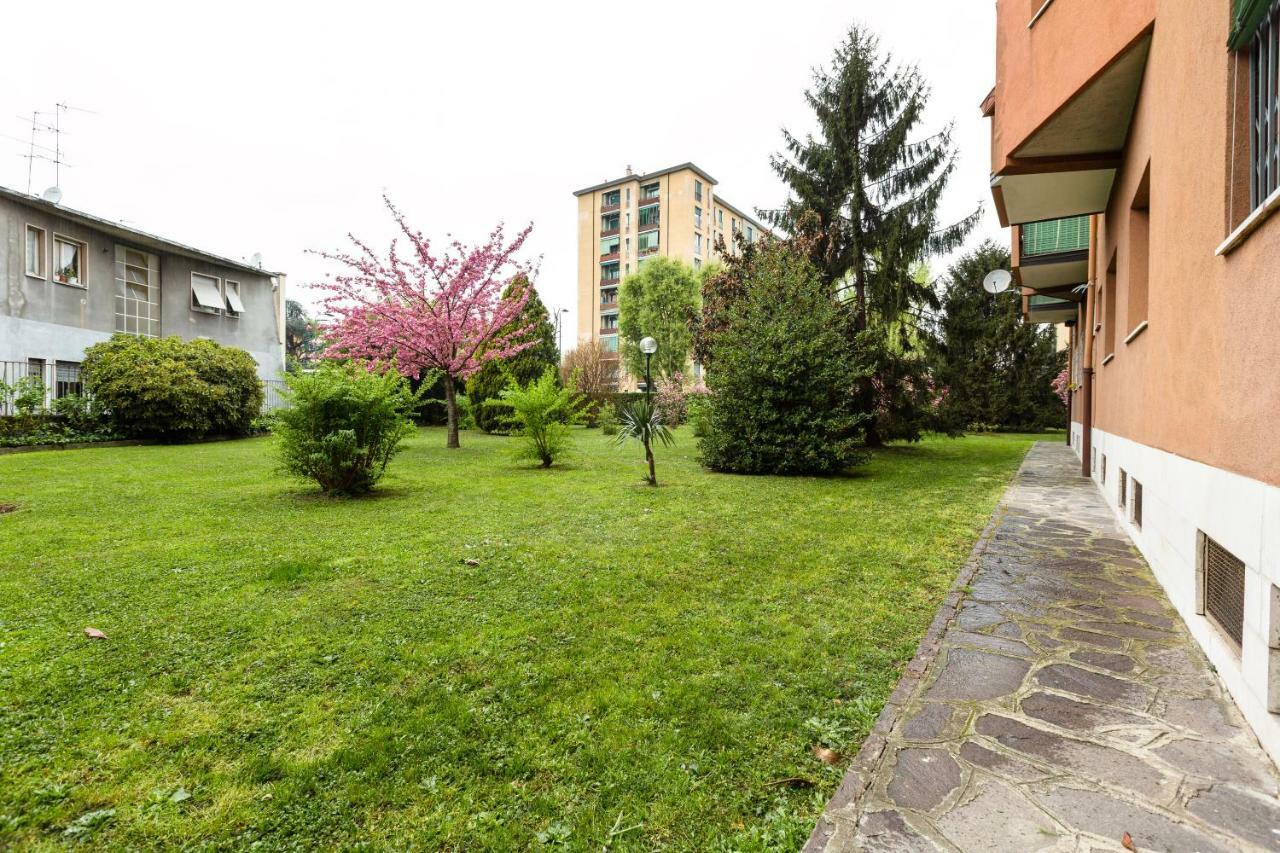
[
  {"x": 1108, "y": 358},
  {"x": 71, "y": 284},
  {"x": 1137, "y": 330},
  {"x": 37, "y": 277},
  {"x": 1250, "y": 224}
]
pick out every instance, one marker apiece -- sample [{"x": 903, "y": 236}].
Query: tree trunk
[
  {"x": 648, "y": 456},
  {"x": 451, "y": 407}
]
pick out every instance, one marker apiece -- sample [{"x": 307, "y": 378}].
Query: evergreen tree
[
  {"x": 658, "y": 301},
  {"x": 525, "y": 367},
  {"x": 785, "y": 366},
  {"x": 867, "y": 188},
  {"x": 996, "y": 369}
]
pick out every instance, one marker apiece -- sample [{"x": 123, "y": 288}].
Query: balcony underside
[
  {"x": 1046, "y": 309},
  {"x": 1040, "y": 272},
  {"x": 1066, "y": 167}
]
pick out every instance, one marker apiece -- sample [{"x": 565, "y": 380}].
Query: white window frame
[
  {"x": 83, "y": 282},
  {"x": 230, "y": 309},
  {"x": 42, "y": 262},
  {"x": 204, "y": 309}
]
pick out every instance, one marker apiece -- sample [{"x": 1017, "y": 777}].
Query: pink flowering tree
[{"x": 425, "y": 311}]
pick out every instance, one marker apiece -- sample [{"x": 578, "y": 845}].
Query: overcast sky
[{"x": 248, "y": 127}]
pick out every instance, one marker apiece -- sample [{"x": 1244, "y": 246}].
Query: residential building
[
  {"x": 1136, "y": 154},
  {"x": 673, "y": 212},
  {"x": 71, "y": 279}
]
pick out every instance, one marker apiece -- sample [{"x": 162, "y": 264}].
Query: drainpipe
[
  {"x": 1086, "y": 386},
  {"x": 1071, "y": 355}
]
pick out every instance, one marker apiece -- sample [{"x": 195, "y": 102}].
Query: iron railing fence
[{"x": 62, "y": 378}]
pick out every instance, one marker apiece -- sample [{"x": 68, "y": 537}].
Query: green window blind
[
  {"x": 1055, "y": 235},
  {"x": 1246, "y": 15}
]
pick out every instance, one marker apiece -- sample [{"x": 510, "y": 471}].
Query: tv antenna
[{"x": 40, "y": 124}]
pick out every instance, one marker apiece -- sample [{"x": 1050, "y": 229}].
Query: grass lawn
[{"x": 481, "y": 656}]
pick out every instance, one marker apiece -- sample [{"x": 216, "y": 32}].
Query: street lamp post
[{"x": 648, "y": 346}]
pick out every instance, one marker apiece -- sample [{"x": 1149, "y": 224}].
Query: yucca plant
[{"x": 639, "y": 420}]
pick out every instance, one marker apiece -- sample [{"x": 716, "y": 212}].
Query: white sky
[{"x": 274, "y": 128}]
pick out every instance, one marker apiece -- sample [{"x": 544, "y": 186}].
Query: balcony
[
  {"x": 1067, "y": 86},
  {"x": 612, "y": 232},
  {"x": 609, "y": 256},
  {"x": 649, "y": 202},
  {"x": 1050, "y": 309},
  {"x": 644, "y": 253},
  {"x": 1052, "y": 255},
  {"x": 610, "y": 207},
  {"x": 608, "y": 330}
]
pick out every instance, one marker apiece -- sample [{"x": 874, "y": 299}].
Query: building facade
[
  {"x": 70, "y": 280},
  {"x": 1136, "y": 155},
  {"x": 675, "y": 213}
]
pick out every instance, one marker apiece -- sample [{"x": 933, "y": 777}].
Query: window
[
  {"x": 697, "y": 190},
  {"x": 35, "y": 367},
  {"x": 609, "y": 222},
  {"x": 609, "y": 272},
  {"x": 697, "y": 217},
  {"x": 610, "y": 343},
  {"x": 628, "y": 196},
  {"x": 1124, "y": 487},
  {"x": 608, "y": 321},
  {"x": 733, "y": 225},
  {"x": 231, "y": 290},
  {"x": 1104, "y": 469},
  {"x": 697, "y": 263},
  {"x": 649, "y": 216},
  {"x": 609, "y": 296},
  {"x": 67, "y": 379},
  {"x": 1136, "y": 509},
  {"x": 609, "y": 245},
  {"x": 649, "y": 191},
  {"x": 35, "y": 252},
  {"x": 1139, "y": 256},
  {"x": 751, "y": 234},
  {"x": 719, "y": 218},
  {"x": 1109, "y": 318},
  {"x": 697, "y": 244},
  {"x": 69, "y": 261},
  {"x": 611, "y": 199},
  {"x": 1264, "y": 101},
  {"x": 206, "y": 293},
  {"x": 648, "y": 241},
  {"x": 137, "y": 298}
]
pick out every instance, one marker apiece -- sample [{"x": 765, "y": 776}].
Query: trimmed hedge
[{"x": 169, "y": 388}]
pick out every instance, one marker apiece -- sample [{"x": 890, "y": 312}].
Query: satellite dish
[
  {"x": 997, "y": 281},
  {"x": 53, "y": 195}
]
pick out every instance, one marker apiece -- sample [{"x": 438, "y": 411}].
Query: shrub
[
  {"x": 784, "y": 370},
  {"x": 28, "y": 395},
  {"x": 671, "y": 402},
  {"x": 526, "y": 366},
  {"x": 607, "y": 420},
  {"x": 173, "y": 389},
  {"x": 697, "y": 410},
  {"x": 541, "y": 415},
  {"x": 343, "y": 425}
]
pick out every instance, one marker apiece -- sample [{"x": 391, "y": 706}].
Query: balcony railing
[
  {"x": 1055, "y": 236},
  {"x": 609, "y": 256},
  {"x": 610, "y": 206},
  {"x": 610, "y": 232}
]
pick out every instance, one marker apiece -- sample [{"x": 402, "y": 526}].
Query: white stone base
[{"x": 1181, "y": 498}]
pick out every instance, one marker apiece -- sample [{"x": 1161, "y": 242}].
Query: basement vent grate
[
  {"x": 1224, "y": 589},
  {"x": 1137, "y": 504}
]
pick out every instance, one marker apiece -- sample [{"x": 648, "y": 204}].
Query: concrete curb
[{"x": 862, "y": 768}]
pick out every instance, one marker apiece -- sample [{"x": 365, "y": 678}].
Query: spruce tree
[
  {"x": 525, "y": 366},
  {"x": 995, "y": 368}
]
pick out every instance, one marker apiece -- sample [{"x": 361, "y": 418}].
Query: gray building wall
[{"x": 42, "y": 318}]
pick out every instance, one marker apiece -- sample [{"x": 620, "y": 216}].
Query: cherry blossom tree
[{"x": 425, "y": 311}]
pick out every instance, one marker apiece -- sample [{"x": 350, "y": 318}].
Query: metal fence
[{"x": 37, "y": 382}]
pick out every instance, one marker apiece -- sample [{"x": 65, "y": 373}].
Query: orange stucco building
[{"x": 1136, "y": 155}]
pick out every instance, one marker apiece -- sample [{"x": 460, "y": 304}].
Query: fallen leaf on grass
[
  {"x": 826, "y": 754},
  {"x": 6, "y": 507},
  {"x": 1127, "y": 841},
  {"x": 471, "y": 561},
  {"x": 94, "y": 634}
]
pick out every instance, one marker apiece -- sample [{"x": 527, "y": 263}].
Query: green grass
[{"x": 479, "y": 656}]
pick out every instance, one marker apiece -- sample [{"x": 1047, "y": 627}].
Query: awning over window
[
  {"x": 205, "y": 290},
  {"x": 1245, "y": 18},
  {"x": 233, "y": 299}
]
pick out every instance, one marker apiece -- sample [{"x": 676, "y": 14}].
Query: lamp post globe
[{"x": 648, "y": 346}]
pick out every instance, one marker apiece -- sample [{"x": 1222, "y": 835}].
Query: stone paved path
[{"x": 1058, "y": 704}]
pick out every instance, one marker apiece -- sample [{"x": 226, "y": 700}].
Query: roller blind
[{"x": 1246, "y": 15}]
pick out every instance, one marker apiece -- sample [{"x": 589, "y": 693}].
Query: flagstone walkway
[{"x": 1057, "y": 703}]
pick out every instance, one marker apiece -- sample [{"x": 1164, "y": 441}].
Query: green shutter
[
  {"x": 1245, "y": 18},
  {"x": 1055, "y": 235}
]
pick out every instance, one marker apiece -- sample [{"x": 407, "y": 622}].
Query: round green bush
[{"x": 173, "y": 389}]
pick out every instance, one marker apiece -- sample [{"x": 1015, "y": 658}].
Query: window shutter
[{"x": 1245, "y": 18}]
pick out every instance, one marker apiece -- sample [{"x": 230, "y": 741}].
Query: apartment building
[
  {"x": 673, "y": 212},
  {"x": 71, "y": 279},
  {"x": 1136, "y": 155}
]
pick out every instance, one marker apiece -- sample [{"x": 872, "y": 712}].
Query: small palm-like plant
[
  {"x": 542, "y": 413},
  {"x": 639, "y": 420}
]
